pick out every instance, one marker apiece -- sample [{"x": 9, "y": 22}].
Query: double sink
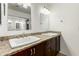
[{"x": 26, "y": 40}]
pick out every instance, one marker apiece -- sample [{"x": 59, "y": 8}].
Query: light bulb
[{"x": 44, "y": 11}]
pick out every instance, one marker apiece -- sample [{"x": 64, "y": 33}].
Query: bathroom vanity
[
  {"x": 47, "y": 45},
  {"x": 47, "y": 48}
]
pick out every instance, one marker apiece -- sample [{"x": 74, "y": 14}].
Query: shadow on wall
[{"x": 64, "y": 48}]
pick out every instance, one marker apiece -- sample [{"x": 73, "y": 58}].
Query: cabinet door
[
  {"x": 53, "y": 46},
  {"x": 25, "y": 52},
  {"x": 47, "y": 48},
  {"x": 58, "y": 44},
  {"x": 39, "y": 50}
]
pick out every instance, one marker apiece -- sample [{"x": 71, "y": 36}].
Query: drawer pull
[{"x": 31, "y": 52}]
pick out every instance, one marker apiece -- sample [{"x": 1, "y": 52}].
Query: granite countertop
[{"x": 6, "y": 50}]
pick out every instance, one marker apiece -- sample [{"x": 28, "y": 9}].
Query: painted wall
[
  {"x": 36, "y": 19},
  {"x": 35, "y": 14},
  {"x": 65, "y": 18}
]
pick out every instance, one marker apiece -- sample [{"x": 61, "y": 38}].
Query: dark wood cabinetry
[
  {"x": 52, "y": 46},
  {"x": 47, "y": 48},
  {"x": 33, "y": 51},
  {"x": 39, "y": 49},
  {"x": 26, "y": 52}
]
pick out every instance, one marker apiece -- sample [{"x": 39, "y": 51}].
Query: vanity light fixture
[
  {"x": 44, "y": 11},
  {"x": 9, "y": 21}
]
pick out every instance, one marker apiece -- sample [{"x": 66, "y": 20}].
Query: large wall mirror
[{"x": 19, "y": 16}]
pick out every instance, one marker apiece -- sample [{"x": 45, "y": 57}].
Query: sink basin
[
  {"x": 49, "y": 34},
  {"x": 22, "y": 41}
]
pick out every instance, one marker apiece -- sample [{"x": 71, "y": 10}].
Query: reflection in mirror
[
  {"x": 44, "y": 19},
  {"x": 19, "y": 16}
]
